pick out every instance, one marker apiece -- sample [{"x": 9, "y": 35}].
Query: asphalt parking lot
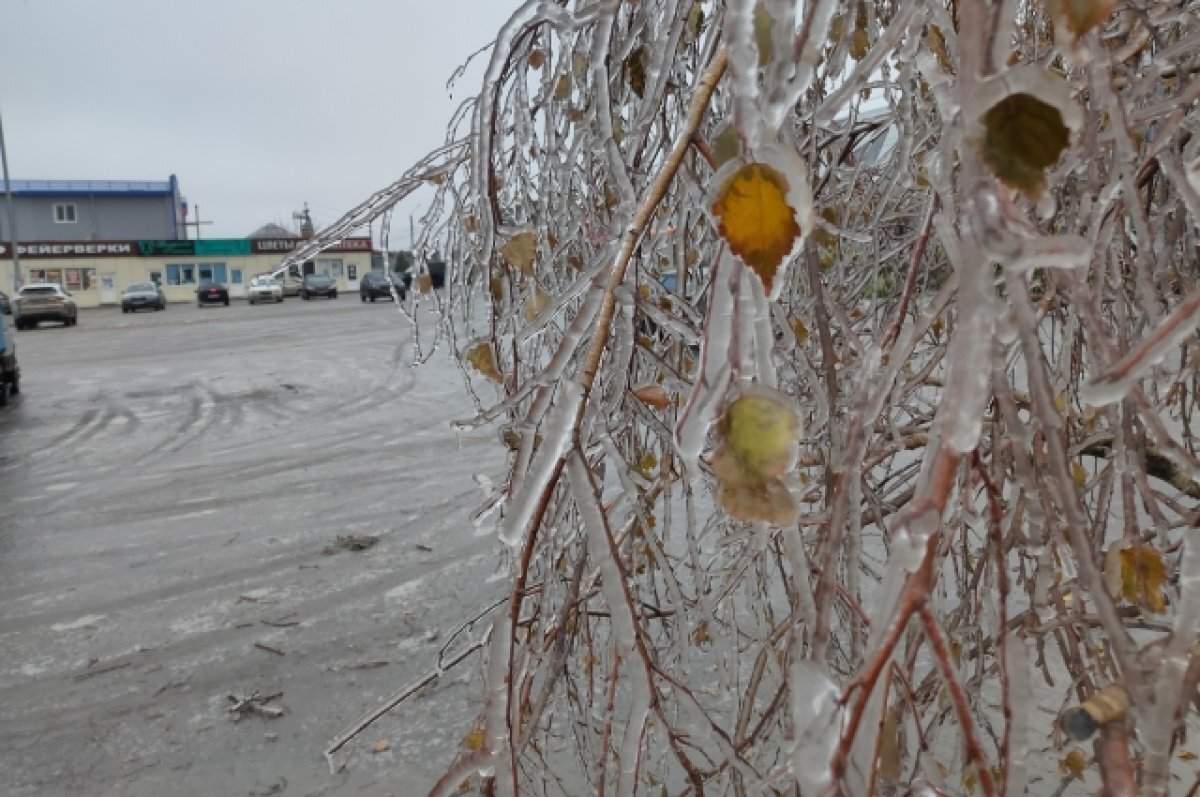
[{"x": 173, "y": 487}]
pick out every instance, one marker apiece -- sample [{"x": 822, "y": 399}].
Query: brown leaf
[
  {"x": 1074, "y": 763},
  {"x": 635, "y": 71},
  {"x": 756, "y": 220},
  {"x": 653, "y": 395},
  {"x": 537, "y": 58},
  {"x": 1143, "y": 573},
  {"x": 483, "y": 359},
  {"x": 1077, "y": 17},
  {"x": 519, "y": 252},
  {"x": 1023, "y": 136},
  {"x": 424, "y": 283}
]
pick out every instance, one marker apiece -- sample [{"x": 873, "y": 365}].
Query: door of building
[{"x": 108, "y": 288}]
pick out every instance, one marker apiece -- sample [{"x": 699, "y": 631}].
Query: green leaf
[
  {"x": 763, "y": 23},
  {"x": 727, "y": 145},
  {"x": 1023, "y": 136}
]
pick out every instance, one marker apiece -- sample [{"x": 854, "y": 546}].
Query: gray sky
[{"x": 256, "y": 105}]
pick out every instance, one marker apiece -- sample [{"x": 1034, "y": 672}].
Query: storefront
[{"x": 96, "y": 272}]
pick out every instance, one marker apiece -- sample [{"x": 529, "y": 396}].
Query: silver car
[
  {"x": 141, "y": 295},
  {"x": 264, "y": 289},
  {"x": 44, "y": 301}
]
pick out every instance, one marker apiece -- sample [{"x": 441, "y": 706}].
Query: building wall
[
  {"x": 97, "y": 281},
  {"x": 97, "y": 217}
]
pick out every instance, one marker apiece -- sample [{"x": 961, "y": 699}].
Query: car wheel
[
  {"x": 334, "y": 296},
  {"x": 363, "y": 297},
  {"x": 124, "y": 309},
  {"x": 162, "y": 305},
  {"x": 372, "y": 297},
  {"x": 19, "y": 324},
  {"x": 280, "y": 299},
  {"x": 14, "y": 386},
  {"x": 199, "y": 303},
  {"x": 227, "y": 302},
  {"x": 250, "y": 300},
  {"x": 75, "y": 320},
  {"x": 3, "y": 393}
]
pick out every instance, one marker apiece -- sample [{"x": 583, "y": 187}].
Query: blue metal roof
[{"x": 91, "y": 187}]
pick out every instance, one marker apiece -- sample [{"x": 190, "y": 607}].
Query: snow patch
[{"x": 82, "y": 622}]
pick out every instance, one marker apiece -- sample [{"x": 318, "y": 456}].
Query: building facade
[
  {"x": 96, "y": 272},
  {"x": 95, "y": 210}
]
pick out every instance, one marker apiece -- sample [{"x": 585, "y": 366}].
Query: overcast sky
[{"x": 258, "y": 106}]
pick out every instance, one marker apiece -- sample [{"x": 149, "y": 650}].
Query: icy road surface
[{"x": 170, "y": 487}]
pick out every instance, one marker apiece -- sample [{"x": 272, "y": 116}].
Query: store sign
[
  {"x": 166, "y": 248},
  {"x": 52, "y": 249},
  {"x": 271, "y": 246}
]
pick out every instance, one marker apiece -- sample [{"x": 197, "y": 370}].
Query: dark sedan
[
  {"x": 318, "y": 285},
  {"x": 376, "y": 284},
  {"x": 212, "y": 293},
  {"x": 141, "y": 295}
]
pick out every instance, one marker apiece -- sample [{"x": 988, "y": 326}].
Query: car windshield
[
  {"x": 138, "y": 287},
  {"x": 318, "y": 279},
  {"x": 40, "y": 290},
  {"x": 263, "y": 282}
]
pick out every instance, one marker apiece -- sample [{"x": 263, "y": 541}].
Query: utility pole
[
  {"x": 12, "y": 211},
  {"x": 195, "y": 224}
]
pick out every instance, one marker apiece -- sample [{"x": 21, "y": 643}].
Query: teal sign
[
  {"x": 202, "y": 248},
  {"x": 165, "y": 248}
]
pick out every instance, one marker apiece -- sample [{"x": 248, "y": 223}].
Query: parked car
[
  {"x": 44, "y": 301},
  {"x": 10, "y": 372},
  {"x": 290, "y": 284},
  {"x": 143, "y": 294},
  {"x": 264, "y": 289},
  {"x": 376, "y": 284},
  {"x": 318, "y": 285},
  {"x": 212, "y": 293},
  {"x": 5, "y": 304}
]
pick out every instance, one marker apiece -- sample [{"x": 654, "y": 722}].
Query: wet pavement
[{"x": 172, "y": 489}]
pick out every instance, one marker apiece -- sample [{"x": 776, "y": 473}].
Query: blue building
[{"x": 95, "y": 210}]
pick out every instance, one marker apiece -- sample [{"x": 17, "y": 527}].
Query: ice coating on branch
[
  {"x": 817, "y": 722},
  {"x": 1018, "y": 653},
  {"x": 911, "y": 537},
  {"x": 556, "y": 440},
  {"x": 965, "y": 402},
  {"x": 1112, "y": 385}
]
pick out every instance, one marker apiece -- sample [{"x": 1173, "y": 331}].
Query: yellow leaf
[
  {"x": 970, "y": 778},
  {"x": 519, "y": 251},
  {"x": 1074, "y": 763},
  {"x": 424, "y": 283},
  {"x": 759, "y": 436},
  {"x": 653, "y": 395},
  {"x": 474, "y": 739},
  {"x": 1079, "y": 475},
  {"x": 483, "y": 359},
  {"x": 1187, "y": 755},
  {"x": 536, "y": 302},
  {"x": 1074, "y": 18},
  {"x": 700, "y": 635},
  {"x": 937, "y": 43},
  {"x": 381, "y": 746},
  {"x": 1023, "y": 136},
  {"x": 1142, "y": 575},
  {"x": 756, "y": 219}
]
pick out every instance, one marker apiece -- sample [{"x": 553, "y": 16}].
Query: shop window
[
  {"x": 213, "y": 272},
  {"x": 330, "y": 268},
  {"x": 64, "y": 213},
  {"x": 181, "y": 273},
  {"x": 237, "y": 276},
  {"x": 156, "y": 277},
  {"x": 74, "y": 279}
]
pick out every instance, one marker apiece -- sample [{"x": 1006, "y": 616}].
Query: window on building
[
  {"x": 64, "y": 213},
  {"x": 237, "y": 276},
  {"x": 213, "y": 272},
  {"x": 181, "y": 273},
  {"x": 331, "y": 268},
  {"x": 74, "y": 279}
]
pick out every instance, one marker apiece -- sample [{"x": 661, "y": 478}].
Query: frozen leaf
[
  {"x": 1073, "y": 763},
  {"x": 562, "y": 87},
  {"x": 483, "y": 359},
  {"x": 1142, "y": 575},
  {"x": 727, "y": 145},
  {"x": 860, "y": 42},
  {"x": 762, "y": 209},
  {"x": 889, "y": 749},
  {"x": 474, "y": 739},
  {"x": 425, "y": 283},
  {"x": 635, "y": 71},
  {"x": 937, "y": 42},
  {"x": 653, "y": 395},
  {"x": 762, "y": 33},
  {"x": 381, "y": 746},
  {"x": 519, "y": 251},
  {"x": 1187, "y": 755},
  {"x": 759, "y": 436},
  {"x": 537, "y": 59},
  {"x": 536, "y": 302},
  {"x": 1023, "y": 136},
  {"x": 1079, "y": 475},
  {"x": 1074, "y": 18},
  {"x": 799, "y": 329},
  {"x": 970, "y": 779}
]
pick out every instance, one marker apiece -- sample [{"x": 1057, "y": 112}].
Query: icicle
[
  {"x": 817, "y": 724},
  {"x": 556, "y": 440}
]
